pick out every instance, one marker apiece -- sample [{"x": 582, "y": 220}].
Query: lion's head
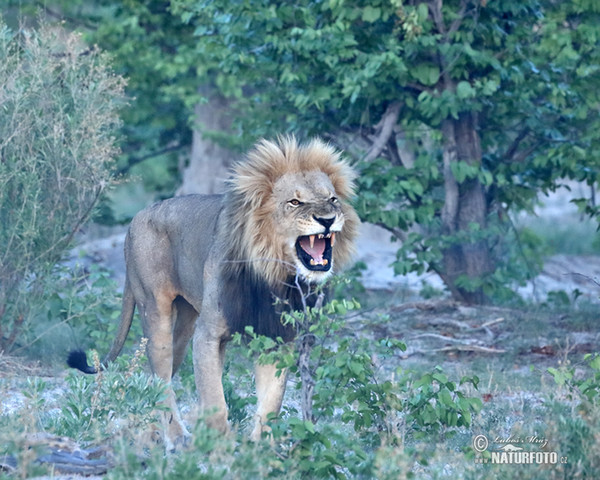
[{"x": 289, "y": 210}]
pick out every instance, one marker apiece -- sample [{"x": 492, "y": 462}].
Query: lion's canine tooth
[
  {"x": 312, "y": 240},
  {"x": 332, "y": 239},
  {"x": 312, "y": 262},
  {"x": 325, "y": 261}
]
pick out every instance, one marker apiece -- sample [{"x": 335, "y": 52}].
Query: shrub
[{"x": 59, "y": 102}]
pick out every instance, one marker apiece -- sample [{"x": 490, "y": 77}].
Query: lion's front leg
[
  {"x": 209, "y": 356},
  {"x": 270, "y": 389}
]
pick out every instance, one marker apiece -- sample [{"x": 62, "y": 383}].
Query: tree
[
  {"x": 465, "y": 110},
  {"x": 59, "y": 102}
]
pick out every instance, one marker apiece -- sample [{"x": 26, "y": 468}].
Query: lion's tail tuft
[{"x": 78, "y": 359}]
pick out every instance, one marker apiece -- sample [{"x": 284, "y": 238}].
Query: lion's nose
[{"x": 326, "y": 222}]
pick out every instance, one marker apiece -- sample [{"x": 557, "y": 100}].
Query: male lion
[{"x": 210, "y": 265}]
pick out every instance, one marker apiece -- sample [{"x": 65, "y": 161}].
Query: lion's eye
[
  {"x": 295, "y": 202},
  {"x": 333, "y": 199}
]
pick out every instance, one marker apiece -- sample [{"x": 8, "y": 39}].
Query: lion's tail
[
  {"x": 125, "y": 324},
  {"x": 78, "y": 359}
]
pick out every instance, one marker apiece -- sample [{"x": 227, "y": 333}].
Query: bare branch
[
  {"x": 455, "y": 348},
  {"x": 459, "y": 19},
  {"x": 587, "y": 277},
  {"x": 435, "y": 7},
  {"x": 387, "y": 122},
  {"x": 392, "y": 148},
  {"x": 512, "y": 149},
  {"x": 135, "y": 160}
]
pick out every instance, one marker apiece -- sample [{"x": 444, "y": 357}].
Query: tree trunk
[
  {"x": 209, "y": 162},
  {"x": 465, "y": 204}
]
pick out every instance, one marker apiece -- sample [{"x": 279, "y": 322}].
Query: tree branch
[
  {"x": 512, "y": 149},
  {"x": 435, "y": 8},
  {"x": 459, "y": 18},
  {"x": 135, "y": 160},
  {"x": 387, "y": 122}
]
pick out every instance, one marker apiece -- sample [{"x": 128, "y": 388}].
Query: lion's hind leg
[{"x": 157, "y": 321}]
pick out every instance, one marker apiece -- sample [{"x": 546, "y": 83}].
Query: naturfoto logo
[{"x": 515, "y": 450}]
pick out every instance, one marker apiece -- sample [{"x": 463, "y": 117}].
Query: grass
[{"x": 569, "y": 236}]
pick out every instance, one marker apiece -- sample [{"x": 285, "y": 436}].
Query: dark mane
[{"x": 248, "y": 300}]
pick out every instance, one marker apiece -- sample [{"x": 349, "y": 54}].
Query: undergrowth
[{"x": 368, "y": 418}]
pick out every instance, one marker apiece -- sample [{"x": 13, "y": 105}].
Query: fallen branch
[
  {"x": 63, "y": 455},
  {"x": 426, "y": 306},
  {"x": 455, "y": 348}
]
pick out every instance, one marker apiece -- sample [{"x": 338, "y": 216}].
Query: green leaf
[
  {"x": 371, "y": 14},
  {"x": 465, "y": 90},
  {"x": 427, "y": 74}
]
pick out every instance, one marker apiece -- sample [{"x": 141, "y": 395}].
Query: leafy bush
[
  {"x": 115, "y": 402},
  {"x": 353, "y": 408},
  {"x": 59, "y": 102}
]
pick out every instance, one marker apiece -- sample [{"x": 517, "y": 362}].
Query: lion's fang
[
  {"x": 332, "y": 239},
  {"x": 325, "y": 261},
  {"x": 312, "y": 240}
]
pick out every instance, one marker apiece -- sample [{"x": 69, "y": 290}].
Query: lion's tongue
[{"x": 316, "y": 251}]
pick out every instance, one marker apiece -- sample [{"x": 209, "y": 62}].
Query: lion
[{"x": 207, "y": 266}]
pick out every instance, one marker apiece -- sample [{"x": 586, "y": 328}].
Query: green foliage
[
  {"x": 520, "y": 70},
  {"x": 436, "y": 404},
  {"x": 578, "y": 421},
  {"x": 89, "y": 303},
  {"x": 355, "y": 408},
  {"x": 113, "y": 403},
  {"x": 74, "y": 308},
  {"x": 586, "y": 389},
  {"x": 59, "y": 102}
]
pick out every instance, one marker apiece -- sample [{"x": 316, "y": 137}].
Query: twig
[
  {"x": 489, "y": 323},
  {"x": 135, "y": 160},
  {"x": 438, "y": 337}
]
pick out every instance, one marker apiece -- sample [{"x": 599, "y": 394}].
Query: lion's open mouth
[{"x": 315, "y": 251}]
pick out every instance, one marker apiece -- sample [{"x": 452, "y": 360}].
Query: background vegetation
[
  {"x": 461, "y": 112},
  {"x": 59, "y": 120}
]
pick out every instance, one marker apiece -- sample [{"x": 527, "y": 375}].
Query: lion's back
[{"x": 171, "y": 240}]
